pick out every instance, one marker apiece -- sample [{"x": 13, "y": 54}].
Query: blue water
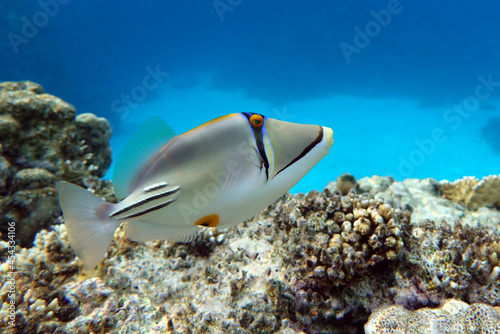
[{"x": 410, "y": 88}]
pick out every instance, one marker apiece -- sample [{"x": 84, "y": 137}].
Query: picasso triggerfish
[{"x": 218, "y": 174}]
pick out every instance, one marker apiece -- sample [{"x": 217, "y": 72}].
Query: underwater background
[
  {"x": 410, "y": 88},
  {"x": 396, "y": 230}
]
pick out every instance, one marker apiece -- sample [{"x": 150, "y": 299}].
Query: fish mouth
[{"x": 328, "y": 135}]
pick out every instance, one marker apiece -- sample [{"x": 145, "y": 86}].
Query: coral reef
[
  {"x": 342, "y": 236},
  {"x": 472, "y": 192},
  {"x": 41, "y": 141},
  {"x": 459, "y": 191},
  {"x": 457, "y": 261},
  {"x": 40, "y": 277},
  {"x": 486, "y": 193},
  {"x": 345, "y": 182},
  {"x": 308, "y": 263},
  {"x": 332, "y": 244},
  {"x": 425, "y": 199},
  {"x": 453, "y": 316}
]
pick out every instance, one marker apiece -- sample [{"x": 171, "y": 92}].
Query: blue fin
[{"x": 152, "y": 135}]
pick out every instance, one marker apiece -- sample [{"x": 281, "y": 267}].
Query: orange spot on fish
[
  {"x": 257, "y": 121},
  {"x": 208, "y": 221}
]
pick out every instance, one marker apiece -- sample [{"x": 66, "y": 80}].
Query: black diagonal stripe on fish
[
  {"x": 316, "y": 141},
  {"x": 151, "y": 209},
  {"x": 143, "y": 202},
  {"x": 259, "y": 140}
]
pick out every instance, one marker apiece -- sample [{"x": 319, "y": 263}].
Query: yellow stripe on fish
[{"x": 217, "y": 174}]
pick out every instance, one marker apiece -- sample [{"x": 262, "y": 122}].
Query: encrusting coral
[
  {"x": 41, "y": 141},
  {"x": 453, "y": 316},
  {"x": 459, "y": 191},
  {"x": 486, "y": 193},
  {"x": 473, "y": 193},
  {"x": 460, "y": 261},
  {"x": 424, "y": 199}
]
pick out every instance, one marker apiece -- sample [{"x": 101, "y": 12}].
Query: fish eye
[{"x": 257, "y": 121}]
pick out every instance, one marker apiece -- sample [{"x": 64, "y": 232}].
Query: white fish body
[{"x": 218, "y": 174}]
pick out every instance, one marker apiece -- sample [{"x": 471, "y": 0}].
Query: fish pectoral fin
[
  {"x": 238, "y": 181},
  {"x": 145, "y": 231}
]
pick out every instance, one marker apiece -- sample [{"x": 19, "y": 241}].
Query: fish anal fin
[{"x": 145, "y": 231}]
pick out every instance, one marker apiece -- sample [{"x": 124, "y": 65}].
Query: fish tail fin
[{"x": 89, "y": 228}]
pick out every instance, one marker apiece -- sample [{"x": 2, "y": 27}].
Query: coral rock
[
  {"x": 472, "y": 192},
  {"x": 40, "y": 142},
  {"x": 486, "y": 193},
  {"x": 345, "y": 182},
  {"x": 452, "y": 317},
  {"x": 437, "y": 201}
]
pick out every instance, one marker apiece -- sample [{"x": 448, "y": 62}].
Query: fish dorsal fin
[{"x": 149, "y": 138}]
